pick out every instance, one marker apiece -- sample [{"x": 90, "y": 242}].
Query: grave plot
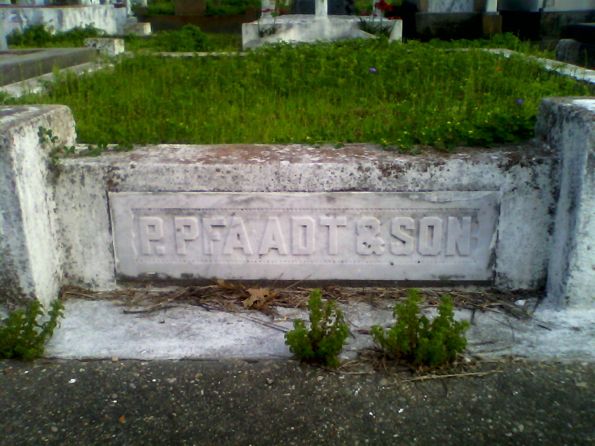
[{"x": 516, "y": 216}]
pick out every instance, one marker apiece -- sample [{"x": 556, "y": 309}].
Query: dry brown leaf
[{"x": 258, "y": 297}]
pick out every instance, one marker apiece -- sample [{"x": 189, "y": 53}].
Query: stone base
[
  {"x": 106, "y": 46},
  {"x": 139, "y": 29},
  {"x": 309, "y": 29}
]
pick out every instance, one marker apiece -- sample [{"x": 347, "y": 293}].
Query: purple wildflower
[
  {"x": 520, "y": 101},
  {"x": 373, "y": 70}
]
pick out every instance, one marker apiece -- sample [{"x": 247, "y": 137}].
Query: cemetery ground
[{"x": 401, "y": 97}]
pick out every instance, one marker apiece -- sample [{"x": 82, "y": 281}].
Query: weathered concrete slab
[
  {"x": 521, "y": 176},
  {"x": 422, "y": 236}
]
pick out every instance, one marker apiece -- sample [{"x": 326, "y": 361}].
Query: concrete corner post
[
  {"x": 3, "y": 42},
  {"x": 567, "y": 124},
  {"x": 30, "y": 257},
  {"x": 320, "y": 8}
]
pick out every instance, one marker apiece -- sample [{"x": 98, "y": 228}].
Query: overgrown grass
[
  {"x": 506, "y": 40},
  {"x": 189, "y": 38},
  {"x": 357, "y": 91}
]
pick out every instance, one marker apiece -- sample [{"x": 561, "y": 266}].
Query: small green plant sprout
[
  {"x": 52, "y": 143},
  {"x": 23, "y": 335},
  {"x": 324, "y": 340},
  {"x": 417, "y": 340}
]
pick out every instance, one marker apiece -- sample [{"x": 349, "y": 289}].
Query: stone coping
[{"x": 17, "y": 66}]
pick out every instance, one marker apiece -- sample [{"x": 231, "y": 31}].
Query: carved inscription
[
  {"x": 359, "y": 236},
  {"x": 308, "y": 235}
]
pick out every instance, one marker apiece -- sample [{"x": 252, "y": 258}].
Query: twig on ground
[{"x": 452, "y": 375}]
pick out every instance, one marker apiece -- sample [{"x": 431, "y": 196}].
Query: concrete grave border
[
  {"x": 55, "y": 226},
  {"x": 19, "y": 65}
]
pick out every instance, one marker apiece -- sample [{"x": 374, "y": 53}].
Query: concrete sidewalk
[{"x": 280, "y": 402}]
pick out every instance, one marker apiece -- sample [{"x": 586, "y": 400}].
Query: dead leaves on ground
[
  {"x": 235, "y": 296},
  {"x": 259, "y": 298}
]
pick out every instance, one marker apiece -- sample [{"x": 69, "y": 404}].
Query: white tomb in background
[
  {"x": 114, "y": 17},
  {"x": 308, "y": 28}
]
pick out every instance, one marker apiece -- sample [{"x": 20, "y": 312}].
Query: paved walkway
[{"x": 280, "y": 402}]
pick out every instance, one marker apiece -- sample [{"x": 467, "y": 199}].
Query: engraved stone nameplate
[{"x": 429, "y": 236}]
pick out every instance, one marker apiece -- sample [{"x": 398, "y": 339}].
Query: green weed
[
  {"x": 416, "y": 340},
  {"x": 56, "y": 150},
  {"x": 324, "y": 340},
  {"x": 23, "y": 335}
]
